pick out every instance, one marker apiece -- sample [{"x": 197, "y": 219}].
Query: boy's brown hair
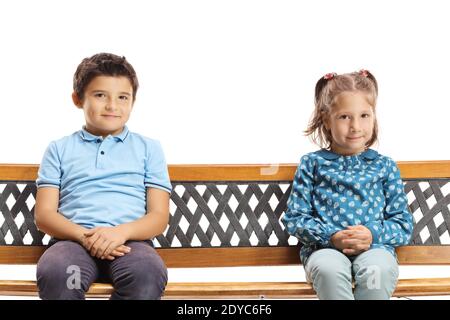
[{"x": 103, "y": 64}]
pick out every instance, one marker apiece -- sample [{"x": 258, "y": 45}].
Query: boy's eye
[
  {"x": 125, "y": 98},
  {"x": 99, "y": 95}
]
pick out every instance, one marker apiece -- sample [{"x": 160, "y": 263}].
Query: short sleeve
[
  {"x": 156, "y": 173},
  {"x": 49, "y": 174}
]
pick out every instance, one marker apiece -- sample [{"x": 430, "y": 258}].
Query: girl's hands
[
  {"x": 357, "y": 242},
  {"x": 353, "y": 240}
]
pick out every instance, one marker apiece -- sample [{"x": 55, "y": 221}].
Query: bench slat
[
  {"x": 182, "y": 257},
  {"x": 405, "y": 287},
  {"x": 239, "y": 256},
  {"x": 243, "y": 172}
]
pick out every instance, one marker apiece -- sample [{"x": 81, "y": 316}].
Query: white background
[{"x": 227, "y": 81}]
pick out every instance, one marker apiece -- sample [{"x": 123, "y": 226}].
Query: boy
[{"x": 103, "y": 193}]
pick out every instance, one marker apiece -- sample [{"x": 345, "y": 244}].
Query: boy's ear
[{"x": 76, "y": 100}]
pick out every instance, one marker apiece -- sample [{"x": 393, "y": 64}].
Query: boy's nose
[{"x": 111, "y": 105}]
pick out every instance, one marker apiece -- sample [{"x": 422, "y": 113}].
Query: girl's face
[{"x": 351, "y": 123}]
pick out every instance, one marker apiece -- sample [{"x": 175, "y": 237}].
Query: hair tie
[
  {"x": 364, "y": 73},
  {"x": 329, "y": 76}
]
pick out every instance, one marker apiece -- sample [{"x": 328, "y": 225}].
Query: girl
[{"x": 348, "y": 207}]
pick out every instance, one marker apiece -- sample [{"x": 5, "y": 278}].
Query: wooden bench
[{"x": 228, "y": 216}]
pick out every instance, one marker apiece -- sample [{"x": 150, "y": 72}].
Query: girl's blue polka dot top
[{"x": 332, "y": 191}]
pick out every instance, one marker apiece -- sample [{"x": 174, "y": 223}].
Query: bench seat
[{"x": 239, "y": 290}]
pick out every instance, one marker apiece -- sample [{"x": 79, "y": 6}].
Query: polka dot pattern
[{"x": 331, "y": 192}]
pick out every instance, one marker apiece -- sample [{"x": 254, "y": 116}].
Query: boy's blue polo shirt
[{"x": 102, "y": 182}]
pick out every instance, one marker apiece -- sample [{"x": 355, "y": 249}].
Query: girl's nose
[{"x": 354, "y": 125}]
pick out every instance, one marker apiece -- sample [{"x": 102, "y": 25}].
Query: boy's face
[{"x": 107, "y": 104}]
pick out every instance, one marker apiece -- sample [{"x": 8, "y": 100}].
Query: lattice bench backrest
[{"x": 229, "y": 214}]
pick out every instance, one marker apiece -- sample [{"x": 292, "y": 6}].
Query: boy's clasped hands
[
  {"x": 353, "y": 240},
  {"x": 105, "y": 243}
]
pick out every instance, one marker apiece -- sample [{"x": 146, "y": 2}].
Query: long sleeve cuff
[{"x": 376, "y": 229}]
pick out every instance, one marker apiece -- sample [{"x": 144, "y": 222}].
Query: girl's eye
[
  {"x": 343, "y": 117},
  {"x": 365, "y": 115}
]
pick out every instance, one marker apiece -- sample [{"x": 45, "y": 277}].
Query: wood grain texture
[{"x": 243, "y": 172}]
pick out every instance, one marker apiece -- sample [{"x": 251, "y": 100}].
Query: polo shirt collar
[
  {"x": 123, "y": 135},
  {"x": 87, "y": 136},
  {"x": 369, "y": 154}
]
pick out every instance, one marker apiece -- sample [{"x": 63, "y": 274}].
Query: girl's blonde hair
[{"x": 327, "y": 89}]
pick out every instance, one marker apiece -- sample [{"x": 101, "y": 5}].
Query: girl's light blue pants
[{"x": 374, "y": 274}]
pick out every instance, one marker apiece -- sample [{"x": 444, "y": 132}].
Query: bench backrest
[{"x": 229, "y": 215}]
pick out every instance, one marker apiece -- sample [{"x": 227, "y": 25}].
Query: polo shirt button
[
  {"x": 99, "y": 140},
  {"x": 102, "y": 152}
]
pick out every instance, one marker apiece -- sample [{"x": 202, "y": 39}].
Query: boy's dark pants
[{"x": 66, "y": 271}]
